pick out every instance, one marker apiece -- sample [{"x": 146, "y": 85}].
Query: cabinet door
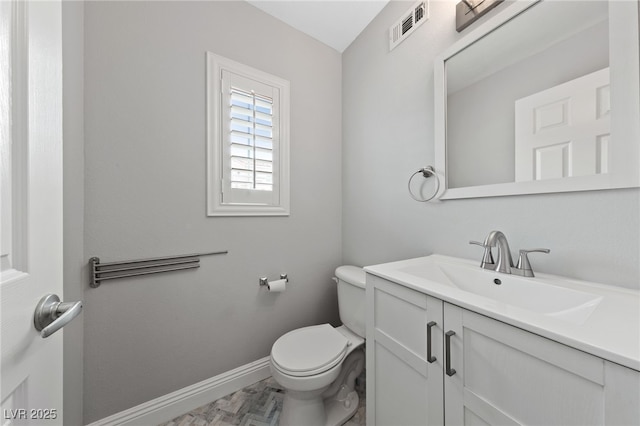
[
  {"x": 403, "y": 387},
  {"x": 622, "y": 395},
  {"x": 507, "y": 376}
]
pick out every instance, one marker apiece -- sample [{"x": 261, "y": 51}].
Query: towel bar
[{"x": 132, "y": 268}]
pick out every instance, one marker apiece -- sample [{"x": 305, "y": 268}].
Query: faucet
[{"x": 504, "y": 261}]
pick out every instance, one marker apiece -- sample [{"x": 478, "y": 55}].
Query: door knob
[{"x": 51, "y": 314}]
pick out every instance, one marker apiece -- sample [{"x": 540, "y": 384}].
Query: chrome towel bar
[{"x": 132, "y": 268}]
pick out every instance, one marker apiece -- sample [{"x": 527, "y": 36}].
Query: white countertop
[{"x": 611, "y": 331}]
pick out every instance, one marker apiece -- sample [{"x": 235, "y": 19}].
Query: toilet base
[
  {"x": 330, "y": 406},
  {"x": 303, "y": 408},
  {"x": 338, "y": 412},
  {"x": 318, "y": 411}
]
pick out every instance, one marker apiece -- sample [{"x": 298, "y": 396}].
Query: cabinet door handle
[
  {"x": 430, "y": 358},
  {"x": 450, "y": 371}
]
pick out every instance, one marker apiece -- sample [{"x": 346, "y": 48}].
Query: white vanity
[{"x": 451, "y": 343}]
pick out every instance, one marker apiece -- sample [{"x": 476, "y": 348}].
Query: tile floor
[{"x": 257, "y": 405}]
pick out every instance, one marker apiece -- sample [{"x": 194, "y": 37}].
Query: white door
[
  {"x": 564, "y": 131},
  {"x": 31, "y": 208},
  {"x": 404, "y": 355}
]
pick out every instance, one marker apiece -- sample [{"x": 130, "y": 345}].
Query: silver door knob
[{"x": 51, "y": 314}]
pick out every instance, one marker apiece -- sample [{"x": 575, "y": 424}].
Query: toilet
[{"x": 317, "y": 365}]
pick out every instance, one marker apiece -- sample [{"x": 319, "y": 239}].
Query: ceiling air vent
[{"x": 409, "y": 21}]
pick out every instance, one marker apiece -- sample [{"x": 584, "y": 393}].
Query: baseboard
[{"x": 169, "y": 406}]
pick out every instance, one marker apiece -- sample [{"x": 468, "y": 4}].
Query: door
[
  {"x": 564, "y": 131},
  {"x": 404, "y": 352},
  {"x": 497, "y": 374},
  {"x": 31, "y": 208}
]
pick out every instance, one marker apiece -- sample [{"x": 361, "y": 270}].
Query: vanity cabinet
[
  {"x": 497, "y": 373},
  {"x": 403, "y": 387}
]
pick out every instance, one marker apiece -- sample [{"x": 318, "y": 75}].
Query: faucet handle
[
  {"x": 487, "y": 257},
  {"x": 523, "y": 260},
  {"x": 478, "y": 243}
]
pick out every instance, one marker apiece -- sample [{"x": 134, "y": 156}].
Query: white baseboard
[{"x": 182, "y": 401}]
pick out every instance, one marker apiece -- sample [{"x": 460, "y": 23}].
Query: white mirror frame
[{"x": 624, "y": 63}]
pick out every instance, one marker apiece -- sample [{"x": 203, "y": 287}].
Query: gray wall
[
  {"x": 388, "y": 134},
  {"x": 145, "y": 196},
  {"x": 73, "y": 157}
]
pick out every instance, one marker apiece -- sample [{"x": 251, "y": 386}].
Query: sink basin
[{"x": 543, "y": 295}]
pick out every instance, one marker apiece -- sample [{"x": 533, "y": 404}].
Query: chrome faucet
[{"x": 504, "y": 261}]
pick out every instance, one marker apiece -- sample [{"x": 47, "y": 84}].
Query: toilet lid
[{"x": 309, "y": 350}]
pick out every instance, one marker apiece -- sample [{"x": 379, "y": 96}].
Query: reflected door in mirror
[{"x": 564, "y": 131}]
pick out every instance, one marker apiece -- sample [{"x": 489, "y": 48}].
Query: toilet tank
[{"x": 351, "y": 297}]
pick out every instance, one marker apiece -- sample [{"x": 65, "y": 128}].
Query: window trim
[{"x": 215, "y": 140}]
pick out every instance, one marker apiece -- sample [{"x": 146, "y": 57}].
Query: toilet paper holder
[{"x": 265, "y": 280}]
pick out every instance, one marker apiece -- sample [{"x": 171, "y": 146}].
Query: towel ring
[{"x": 427, "y": 172}]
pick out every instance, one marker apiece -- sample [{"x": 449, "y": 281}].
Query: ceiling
[{"x": 336, "y": 23}]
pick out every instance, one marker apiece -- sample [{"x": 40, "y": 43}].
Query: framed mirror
[{"x": 543, "y": 97}]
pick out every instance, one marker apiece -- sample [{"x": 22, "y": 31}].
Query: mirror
[{"x": 541, "y": 98}]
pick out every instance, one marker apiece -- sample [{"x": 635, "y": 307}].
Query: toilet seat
[{"x": 309, "y": 351}]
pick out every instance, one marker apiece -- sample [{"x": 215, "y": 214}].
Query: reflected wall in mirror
[{"x": 524, "y": 103}]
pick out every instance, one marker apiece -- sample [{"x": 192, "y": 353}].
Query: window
[{"x": 248, "y": 140}]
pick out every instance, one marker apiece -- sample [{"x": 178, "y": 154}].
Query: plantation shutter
[{"x": 250, "y": 141}]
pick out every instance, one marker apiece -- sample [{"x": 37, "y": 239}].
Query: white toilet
[{"x": 317, "y": 366}]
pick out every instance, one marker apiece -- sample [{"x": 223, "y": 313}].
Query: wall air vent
[{"x": 409, "y": 21}]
